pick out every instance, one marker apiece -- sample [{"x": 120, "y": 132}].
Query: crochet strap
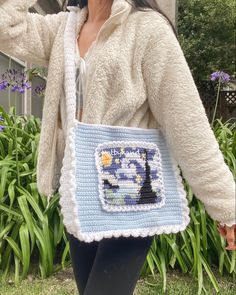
[{"x": 69, "y": 51}]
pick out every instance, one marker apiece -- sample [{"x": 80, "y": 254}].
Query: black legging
[{"x": 110, "y": 266}]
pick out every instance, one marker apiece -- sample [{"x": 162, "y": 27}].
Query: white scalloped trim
[
  {"x": 124, "y": 208},
  {"x": 67, "y": 187},
  {"x": 140, "y": 232}
]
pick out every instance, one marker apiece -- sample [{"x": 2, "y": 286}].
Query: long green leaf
[
  {"x": 22, "y": 201},
  {"x": 15, "y": 247},
  {"x": 4, "y": 231},
  {"x": 32, "y": 202},
  {"x": 175, "y": 248},
  {"x": 210, "y": 273},
  {"x": 25, "y": 246},
  {"x": 11, "y": 192}
]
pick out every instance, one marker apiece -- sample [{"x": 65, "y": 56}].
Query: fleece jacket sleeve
[
  {"x": 27, "y": 36},
  {"x": 175, "y": 103}
]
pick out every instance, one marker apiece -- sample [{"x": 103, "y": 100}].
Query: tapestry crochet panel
[{"x": 129, "y": 175}]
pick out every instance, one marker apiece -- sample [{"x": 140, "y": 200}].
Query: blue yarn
[{"x": 92, "y": 216}]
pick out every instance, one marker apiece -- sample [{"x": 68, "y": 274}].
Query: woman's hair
[{"x": 138, "y": 4}]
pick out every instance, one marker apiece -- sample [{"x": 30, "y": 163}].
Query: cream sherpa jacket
[{"x": 138, "y": 77}]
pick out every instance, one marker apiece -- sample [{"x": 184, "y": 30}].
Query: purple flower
[
  {"x": 15, "y": 80},
  {"x": 14, "y": 88},
  {"x": 2, "y": 128},
  {"x": 26, "y": 85},
  {"x": 3, "y": 85},
  {"x": 40, "y": 90},
  {"x": 220, "y": 75},
  {"x": 21, "y": 90}
]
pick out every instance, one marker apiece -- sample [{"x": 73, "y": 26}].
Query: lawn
[{"x": 62, "y": 283}]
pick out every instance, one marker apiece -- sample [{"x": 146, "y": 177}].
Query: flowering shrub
[
  {"x": 221, "y": 76},
  {"x": 15, "y": 80},
  {"x": 222, "y": 79}
]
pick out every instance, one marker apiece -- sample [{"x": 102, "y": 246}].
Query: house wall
[{"x": 169, "y": 7}]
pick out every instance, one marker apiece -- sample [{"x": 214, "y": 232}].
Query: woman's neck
[{"x": 98, "y": 10}]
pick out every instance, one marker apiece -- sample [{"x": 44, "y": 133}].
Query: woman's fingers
[
  {"x": 222, "y": 230},
  {"x": 229, "y": 233},
  {"x": 230, "y": 237}
]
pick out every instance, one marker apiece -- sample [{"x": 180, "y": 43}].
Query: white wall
[{"x": 169, "y": 7}]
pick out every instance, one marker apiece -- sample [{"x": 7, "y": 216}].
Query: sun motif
[{"x": 106, "y": 159}]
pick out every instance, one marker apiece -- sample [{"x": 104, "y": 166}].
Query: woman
[{"x": 137, "y": 76}]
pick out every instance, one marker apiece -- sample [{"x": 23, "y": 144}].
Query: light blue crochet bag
[{"x": 116, "y": 180}]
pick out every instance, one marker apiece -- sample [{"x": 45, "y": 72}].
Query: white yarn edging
[
  {"x": 124, "y": 208},
  {"x": 67, "y": 189}
]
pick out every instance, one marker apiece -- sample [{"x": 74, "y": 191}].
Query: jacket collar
[{"x": 119, "y": 11}]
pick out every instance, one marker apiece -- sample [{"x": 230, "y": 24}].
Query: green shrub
[
  {"x": 199, "y": 249},
  {"x": 31, "y": 227}
]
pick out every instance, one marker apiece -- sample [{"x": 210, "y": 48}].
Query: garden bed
[{"x": 63, "y": 283}]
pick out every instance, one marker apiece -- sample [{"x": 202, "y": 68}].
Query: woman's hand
[{"x": 229, "y": 233}]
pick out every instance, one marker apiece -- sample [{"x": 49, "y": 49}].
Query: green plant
[
  {"x": 222, "y": 79},
  {"x": 30, "y": 226},
  {"x": 226, "y": 137},
  {"x": 16, "y": 82},
  {"x": 199, "y": 248},
  {"x": 207, "y": 38}
]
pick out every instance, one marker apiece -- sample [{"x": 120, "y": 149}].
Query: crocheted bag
[{"x": 116, "y": 180}]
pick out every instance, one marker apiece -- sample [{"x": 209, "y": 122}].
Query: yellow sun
[{"x": 106, "y": 159}]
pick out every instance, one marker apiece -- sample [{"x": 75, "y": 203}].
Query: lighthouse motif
[{"x": 146, "y": 192}]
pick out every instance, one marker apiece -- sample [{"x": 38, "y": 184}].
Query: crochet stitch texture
[
  {"x": 94, "y": 202},
  {"x": 138, "y": 77}
]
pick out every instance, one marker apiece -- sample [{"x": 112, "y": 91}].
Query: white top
[{"x": 81, "y": 68}]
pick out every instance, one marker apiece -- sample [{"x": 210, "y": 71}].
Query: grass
[{"x": 62, "y": 283}]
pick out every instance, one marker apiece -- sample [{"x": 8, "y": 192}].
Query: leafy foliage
[
  {"x": 199, "y": 248},
  {"x": 206, "y": 31},
  {"x": 32, "y": 230},
  {"x": 30, "y": 226}
]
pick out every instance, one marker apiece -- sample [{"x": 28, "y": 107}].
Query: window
[
  {"x": 7, "y": 98},
  {"x": 28, "y": 103},
  {"x": 36, "y": 100}
]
